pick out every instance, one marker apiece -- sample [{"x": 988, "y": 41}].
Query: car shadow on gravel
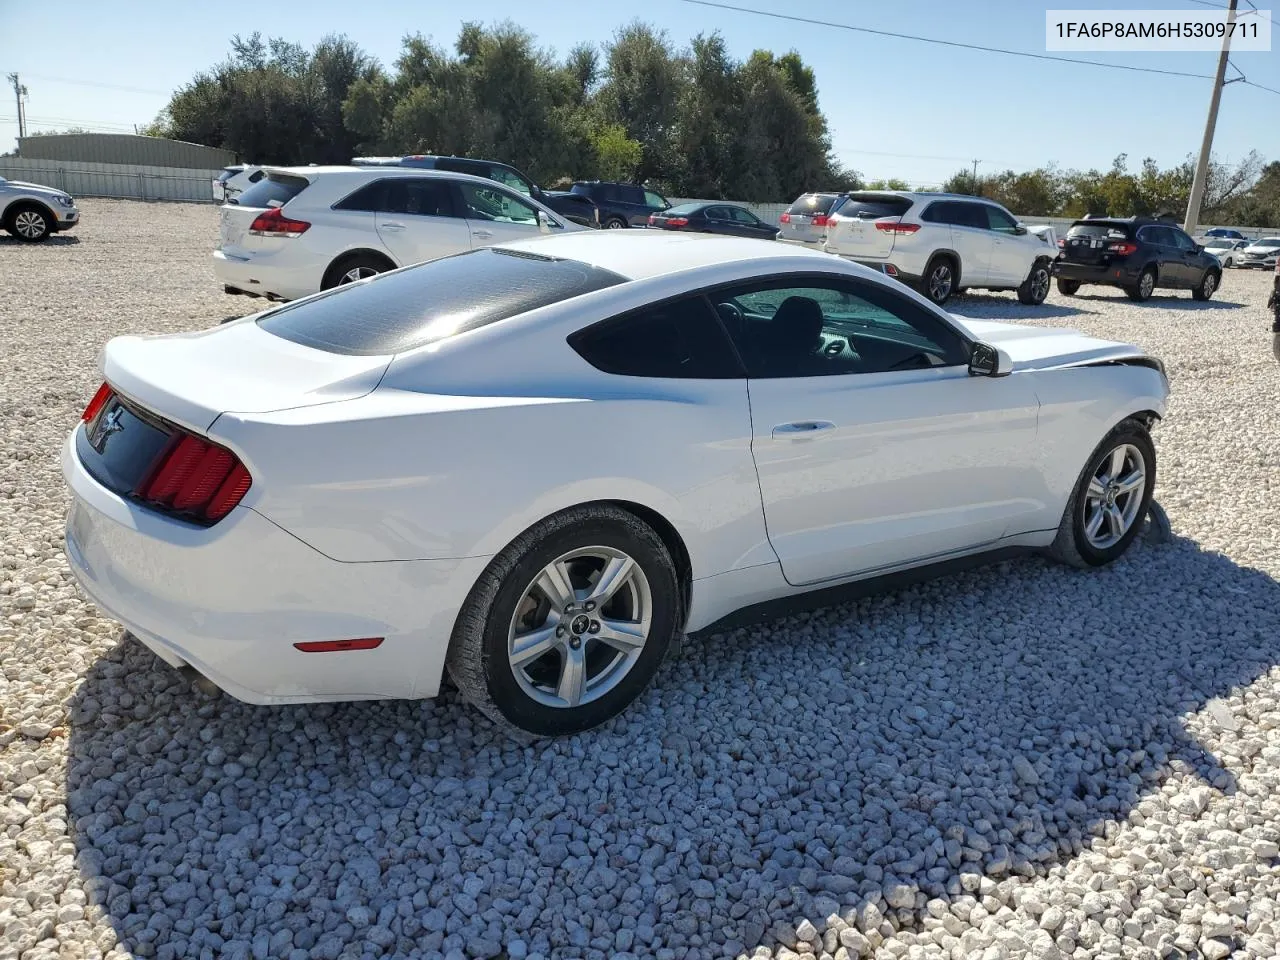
[
  {"x": 57, "y": 240},
  {"x": 1010, "y": 307},
  {"x": 863, "y": 757},
  {"x": 1164, "y": 302}
]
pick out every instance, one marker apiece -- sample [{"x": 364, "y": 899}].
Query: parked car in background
[
  {"x": 1260, "y": 254},
  {"x": 33, "y": 213},
  {"x": 234, "y": 180},
  {"x": 941, "y": 243},
  {"x": 621, "y": 204},
  {"x": 303, "y": 229},
  {"x": 727, "y": 219},
  {"x": 578, "y": 209},
  {"x": 1138, "y": 255},
  {"x": 1226, "y": 233},
  {"x": 805, "y": 221},
  {"x": 1224, "y": 248},
  {"x": 341, "y": 498}
]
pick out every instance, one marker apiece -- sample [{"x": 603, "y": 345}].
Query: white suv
[
  {"x": 33, "y": 213},
  {"x": 941, "y": 243},
  {"x": 299, "y": 230},
  {"x": 233, "y": 181}
]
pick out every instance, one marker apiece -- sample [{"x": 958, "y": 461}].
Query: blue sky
[{"x": 896, "y": 107}]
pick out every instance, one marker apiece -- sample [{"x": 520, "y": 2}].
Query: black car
[
  {"x": 724, "y": 218},
  {"x": 1136, "y": 254},
  {"x": 576, "y": 208},
  {"x": 620, "y": 204}
]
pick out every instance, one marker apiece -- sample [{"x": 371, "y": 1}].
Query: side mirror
[
  {"x": 989, "y": 361},
  {"x": 1020, "y": 230},
  {"x": 544, "y": 222}
]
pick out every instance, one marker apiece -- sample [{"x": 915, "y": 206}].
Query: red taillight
[
  {"x": 820, "y": 220},
  {"x": 652, "y": 220},
  {"x": 677, "y": 221},
  {"x": 97, "y": 403},
  {"x": 786, "y": 218},
  {"x": 1062, "y": 244},
  {"x": 273, "y": 223},
  {"x": 1121, "y": 249},
  {"x": 196, "y": 478},
  {"x": 893, "y": 225}
]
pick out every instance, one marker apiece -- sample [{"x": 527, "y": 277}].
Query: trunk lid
[
  {"x": 852, "y": 230},
  {"x": 193, "y": 378},
  {"x": 1088, "y": 242},
  {"x": 1039, "y": 348},
  {"x": 235, "y": 217}
]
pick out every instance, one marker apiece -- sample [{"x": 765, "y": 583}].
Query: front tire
[
  {"x": 1208, "y": 284},
  {"x": 615, "y": 223},
  {"x": 939, "y": 280},
  {"x": 1110, "y": 499},
  {"x": 1035, "y": 288},
  {"x": 29, "y": 223},
  {"x": 569, "y": 624}
]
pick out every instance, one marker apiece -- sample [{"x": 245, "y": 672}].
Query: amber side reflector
[{"x": 329, "y": 646}]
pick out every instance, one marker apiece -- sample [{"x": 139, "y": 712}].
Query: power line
[
  {"x": 1250, "y": 83},
  {"x": 945, "y": 43},
  {"x": 1218, "y": 6},
  {"x": 95, "y": 83}
]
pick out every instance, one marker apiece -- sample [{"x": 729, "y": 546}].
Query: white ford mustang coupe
[{"x": 536, "y": 464}]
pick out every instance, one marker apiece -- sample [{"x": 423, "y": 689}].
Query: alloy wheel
[
  {"x": 30, "y": 224},
  {"x": 1147, "y": 284},
  {"x": 1114, "y": 496},
  {"x": 940, "y": 283},
  {"x": 580, "y": 626},
  {"x": 357, "y": 273},
  {"x": 1209, "y": 285},
  {"x": 1040, "y": 284}
]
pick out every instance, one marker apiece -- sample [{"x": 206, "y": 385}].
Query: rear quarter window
[
  {"x": 275, "y": 189},
  {"x": 432, "y": 301}
]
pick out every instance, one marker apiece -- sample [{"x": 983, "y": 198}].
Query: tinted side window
[
  {"x": 1180, "y": 239},
  {"x": 970, "y": 215},
  {"x": 484, "y": 203},
  {"x": 937, "y": 212},
  {"x": 508, "y": 177},
  {"x": 1000, "y": 221},
  {"x": 607, "y": 192},
  {"x": 367, "y": 198},
  {"x": 832, "y": 327},
  {"x": 654, "y": 200},
  {"x": 629, "y": 194},
  {"x": 677, "y": 340},
  {"x": 419, "y": 198}
]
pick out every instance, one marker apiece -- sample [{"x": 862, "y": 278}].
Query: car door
[
  {"x": 417, "y": 220},
  {"x": 873, "y": 446},
  {"x": 972, "y": 239},
  {"x": 1165, "y": 252},
  {"x": 715, "y": 220},
  {"x": 631, "y": 200},
  {"x": 1190, "y": 259},
  {"x": 496, "y": 215},
  {"x": 747, "y": 224},
  {"x": 1011, "y": 254},
  {"x": 654, "y": 203}
]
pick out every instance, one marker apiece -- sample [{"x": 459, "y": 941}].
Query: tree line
[
  {"x": 694, "y": 122},
  {"x": 1244, "y": 194},
  {"x": 691, "y": 122}
]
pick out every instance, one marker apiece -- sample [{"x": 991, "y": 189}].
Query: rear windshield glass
[
  {"x": 683, "y": 210},
  {"x": 1099, "y": 231},
  {"x": 434, "y": 300},
  {"x": 273, "y": 190},
  {"x": 863, "y": 207},
  {"x": 812, "y": 203}
]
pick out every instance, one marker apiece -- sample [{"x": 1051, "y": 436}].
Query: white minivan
[{"x": 299, "y": 230}]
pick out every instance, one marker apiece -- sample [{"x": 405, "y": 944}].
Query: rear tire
[
  {"x": 29, "y": 222},
  {"x": 940, "y": 279},
  {"x": 615, "y": 223},
  {"x": 1101, "y": 520},
  {"x": 1068, "y": 288},
  {"x": 1035, "y": 288},
  {"x": 569, "y": 553},
  {"x": 357, "y": 266},
  {"x": 1146, "y": 285},
  {"x": 1206, "y": 287}
]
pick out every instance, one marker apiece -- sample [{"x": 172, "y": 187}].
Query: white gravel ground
[{"x": 1024, "y": 761}]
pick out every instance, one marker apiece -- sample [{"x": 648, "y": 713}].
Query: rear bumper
[
  {"x": 259, "y": 278},
  {"x": 231, "y": 600},
  {"x": 1110, "y": 275}
]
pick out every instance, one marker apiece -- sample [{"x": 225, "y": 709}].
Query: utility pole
[
  {"x": 977, "y": 191},
  {"x": 19, "y": 91},
  {"x": 1206, "y": 145}
]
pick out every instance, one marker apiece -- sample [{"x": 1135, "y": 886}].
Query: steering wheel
[{"x": 731, "y": 313}]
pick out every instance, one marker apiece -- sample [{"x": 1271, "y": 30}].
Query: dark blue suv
[{"x": 1136, "y": 254}]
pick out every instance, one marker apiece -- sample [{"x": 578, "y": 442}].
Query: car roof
[
  {"x": 380, "y": 172},
  {"x": 642, "y": 254}
]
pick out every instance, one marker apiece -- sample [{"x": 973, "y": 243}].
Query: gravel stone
[{"x": 1015, "y": 761}]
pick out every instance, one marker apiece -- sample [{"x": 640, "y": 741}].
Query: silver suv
[
  {"x": 31, "y": 212},
  {"x": 941, "y": 242}
]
